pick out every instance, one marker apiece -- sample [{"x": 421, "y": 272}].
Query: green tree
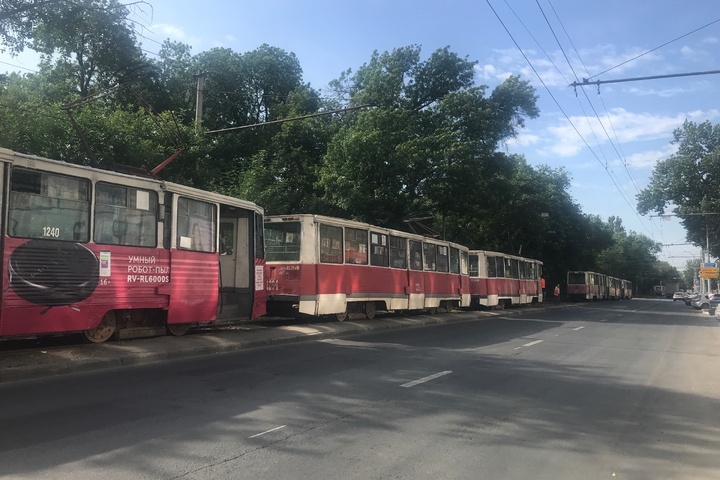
[
  {"x": 632, "y": 256},
  {"x": 689, "y": 183},
  {"x": 91, "y": 42},
  {"x": 428, "y": 143},
  {"x": 691, "y": 272},
  {"x": 17, "y": 20}
]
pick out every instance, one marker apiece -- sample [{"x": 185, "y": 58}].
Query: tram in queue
[
  {"x": 499, "y": 280},
  {"x": 318, "y": 265},
  {"x": 99, "y": 252},
  {"x": 586, "y": 285}
]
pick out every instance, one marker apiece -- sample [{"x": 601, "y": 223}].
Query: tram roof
[{"x": 95, "y": 174}]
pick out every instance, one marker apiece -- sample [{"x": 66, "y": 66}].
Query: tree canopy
[
  {"x": 688, "y": 183},
  {"x": 417, "y": 144}
]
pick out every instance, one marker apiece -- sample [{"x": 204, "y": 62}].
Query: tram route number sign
[{"x": 709, "y": 270}]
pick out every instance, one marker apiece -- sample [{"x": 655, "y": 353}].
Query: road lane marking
[
  {"x": 578, "y": 328},
  {"x": 426, "y": 379},
  {"x": 532, "y": 343},
  {"x": 268, "y": 431}
]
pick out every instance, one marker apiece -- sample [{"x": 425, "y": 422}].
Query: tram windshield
[
  {"x": 282, "y": 240},
  {"x": 49, "y": 206},
  {"x": 576, "y": 278}
]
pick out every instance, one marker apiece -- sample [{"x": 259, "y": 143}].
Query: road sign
[{"x": 709, "y": 272}]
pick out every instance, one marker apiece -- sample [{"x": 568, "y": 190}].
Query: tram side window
[
  {"x": 442, "y": 258},
  {"x": 492, "y": 271},
  {"x": 48, "y": 205},
  {"x": 501, "y": 270},
  {"x": 398, "y": 252},
  {"x": 510, "y": 272},
  {"x": 331, "y": 240},
  {"x": 474, "y": 266},
  {"x": 524, "y": 270},
  {"x": 356, "y": 243},
  {"x": 283, "y": 241},
  {"x": 416, "y": 260},
  {"x": 125, "y": 216},
  {"x": 429, "y": 257},
  {"x": 379, "y": 249},
  {"x": 463, "y": 263},
  {"x": 454, "y": 260},
  {"x": 196, "y": 225}
]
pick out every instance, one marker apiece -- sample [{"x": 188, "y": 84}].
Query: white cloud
[
  {"x": 555, "y": 71},
  {"x": 176, "y": 33},
  {"x": 649, "y": 158},
  {"x": 663, "y": 93},
  {"x": 622, "y": 126},
  {"x": 710, "y": 40},
  {"x": 523, "y": 140},
  {"x": 687, "y": 51}
]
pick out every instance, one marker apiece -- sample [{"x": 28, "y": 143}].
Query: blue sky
[{"x": 634, "y": 123}]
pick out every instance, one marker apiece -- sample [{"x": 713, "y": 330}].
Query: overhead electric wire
[
  {"x": 620, "y": 153},
  {"x": 555, "y": 100},
  {"x": 18, "y": 66},
  {"x": 562, "y": 49},
  {"x": 656, "y": 48}
]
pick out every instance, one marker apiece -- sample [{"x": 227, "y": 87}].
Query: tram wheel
[
  {"x": 104, "y": 330},
  {"x": 178, "y": 329},
  {"x": 342, "y": 316},
  {"x": 370, "y": 310}
]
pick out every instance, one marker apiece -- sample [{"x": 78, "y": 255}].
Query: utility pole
[{"x": 199, "y": 101}]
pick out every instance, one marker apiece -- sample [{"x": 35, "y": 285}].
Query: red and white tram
[
  {"x": 100, "y": 252},
  {"x": 626, "y": 289},
  {"x": 585, "y": 285},
  {"x": 319, "y": 265},
  {"x": 498, "y": 280}
]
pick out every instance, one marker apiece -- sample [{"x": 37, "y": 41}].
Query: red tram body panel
[
  {"x": 498, "y": 279},
  {"x": 98, "y": 252},
  {"x": 320, "y": 265},
  {"x": 586, "y": 285}
]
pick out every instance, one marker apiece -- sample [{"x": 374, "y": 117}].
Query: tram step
[{"x": 138, "y": 332}]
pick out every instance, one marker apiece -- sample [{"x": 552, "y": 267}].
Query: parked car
[
  {"x": 714, "y": 303},
  {"x": 690, "y": 298},
  {"x": 701, "y": 302},
  {"x": 679, "y": 295}
]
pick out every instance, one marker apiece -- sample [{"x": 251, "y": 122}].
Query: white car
[{"x": 678, "y": 296}]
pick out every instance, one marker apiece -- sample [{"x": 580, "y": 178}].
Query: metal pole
[
  {"x": 199, "y": 101},
  {"x": 707, "y": 246}
]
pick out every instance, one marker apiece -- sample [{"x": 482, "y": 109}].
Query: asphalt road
[{"x": 601, "y": 391}]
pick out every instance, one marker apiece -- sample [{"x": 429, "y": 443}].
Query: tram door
[{"x": 236, "y": 269}]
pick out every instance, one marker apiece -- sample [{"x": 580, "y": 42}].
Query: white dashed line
[
  {"x": 578, "y": 328},
  {"x": 532, "y": 343},
  {"x": 425, "y": 379},
  {"x": 268, "y": 431}
]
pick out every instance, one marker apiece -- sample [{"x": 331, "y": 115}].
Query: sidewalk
[{"x": 27, "y": 363}]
